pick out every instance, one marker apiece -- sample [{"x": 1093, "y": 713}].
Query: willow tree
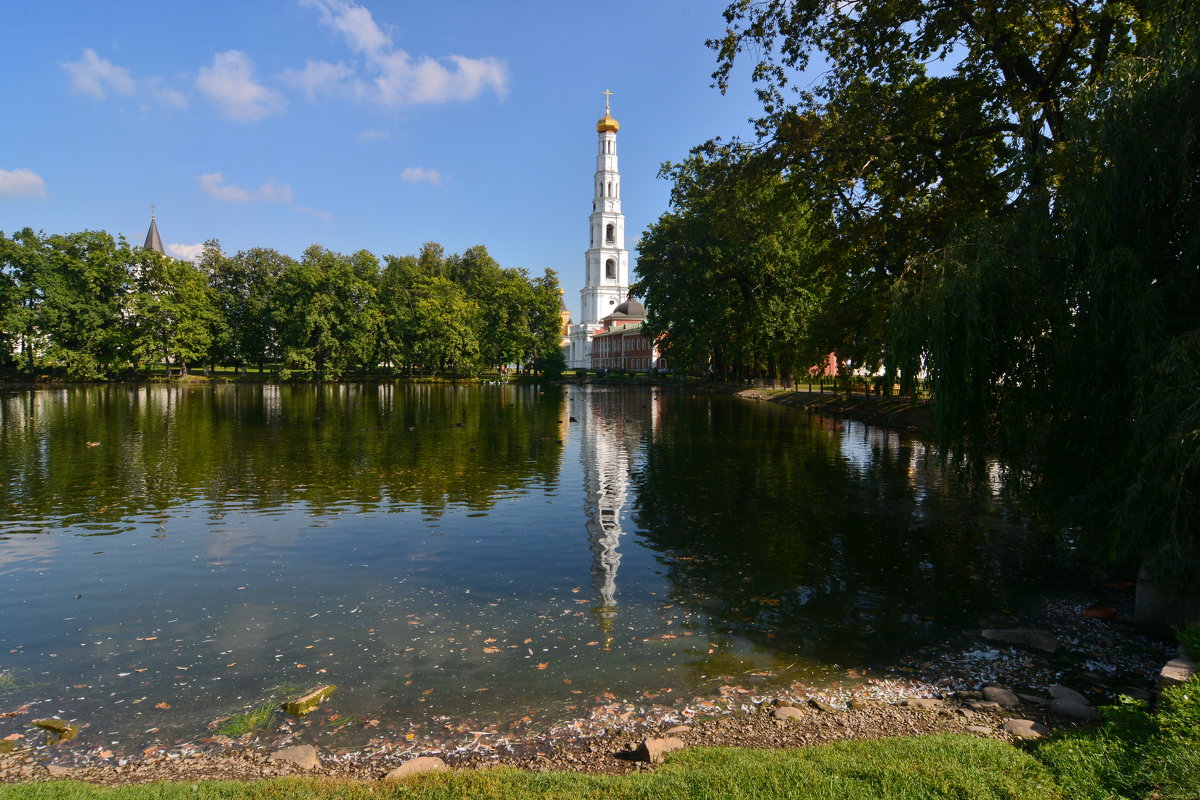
[{"x": 1069, "y": 335}]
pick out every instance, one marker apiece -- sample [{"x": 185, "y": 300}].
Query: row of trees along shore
[
  {"x": 86, "y": 306},
  {"x": 999, "y": 197}
]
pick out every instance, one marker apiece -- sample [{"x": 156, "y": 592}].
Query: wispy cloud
[
  {"x": 21, "y": 183},
  {"x": 374, "y": 135},
  {"x": 229, "y": 83},
  {"x": 96, "y": 77},
  {"x": 187, "y": 252},
  {"x": 322, "y": 79},
  {"x": 393, "y": 77},
  {"x": 270, "y": 192},
  {"x": 324, "y": 216},
  {"x": 421, "y": 175}
]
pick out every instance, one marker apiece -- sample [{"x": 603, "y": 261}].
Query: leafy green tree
[
  {"x": 174, "y": 312},
  {"x": 730, "y": 274},
  {"x": 322, "y": 306},
  {"x": 444, "y": 325},
  {"x": 83, "y": 280},
  {"x": 244, "y": 287}
]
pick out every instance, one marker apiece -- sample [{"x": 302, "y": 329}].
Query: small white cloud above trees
[
  {"x": 21, "y": 183},
  {"x": 186, "y": 252}
]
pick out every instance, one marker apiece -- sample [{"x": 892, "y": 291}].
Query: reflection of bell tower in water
[{"x": 613, "y": 423}]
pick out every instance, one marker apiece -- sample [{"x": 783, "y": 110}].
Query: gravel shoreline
[{"x": 1100, "y": 658}]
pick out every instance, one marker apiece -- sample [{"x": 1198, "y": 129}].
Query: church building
[{"x": 608, "y": 335}]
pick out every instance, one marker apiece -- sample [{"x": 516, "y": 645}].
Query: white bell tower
[{"x": 606, "y": 263}]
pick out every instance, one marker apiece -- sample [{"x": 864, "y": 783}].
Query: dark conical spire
[{"x": 153, "y": 242}]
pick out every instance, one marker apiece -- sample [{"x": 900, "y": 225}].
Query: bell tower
[{"x": 607, "y": 260}]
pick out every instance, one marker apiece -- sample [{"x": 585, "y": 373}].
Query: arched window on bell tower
[
  {"x": 609, "y": 233},
  {"x": 610, "y": 270}
]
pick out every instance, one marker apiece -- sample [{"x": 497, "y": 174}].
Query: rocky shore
[{"x": 1020, "y": 678}]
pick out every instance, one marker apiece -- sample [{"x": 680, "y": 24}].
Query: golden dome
[{"x": 607, "y": 123}]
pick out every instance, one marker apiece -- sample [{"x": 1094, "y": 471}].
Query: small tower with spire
[{"x": 153, "y": 241}]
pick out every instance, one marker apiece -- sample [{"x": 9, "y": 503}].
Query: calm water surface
[{"x": 475, "y": 553}]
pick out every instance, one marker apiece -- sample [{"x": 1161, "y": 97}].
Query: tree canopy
[{"x": 86, "y": 306}]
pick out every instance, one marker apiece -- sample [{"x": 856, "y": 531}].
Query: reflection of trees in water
[
  {"x": 822, "y": 537},
  {"x": 254, "y": 446},
  {"x": 612, "y": 424}
]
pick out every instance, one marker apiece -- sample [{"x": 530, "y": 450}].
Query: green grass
[
  {"x": 8, "y": 682},
  {"x": 1137, "y": 754},
  {"x": 916, "y": 768}
]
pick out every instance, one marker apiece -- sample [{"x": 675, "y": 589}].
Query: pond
[{"x": 477, "y": 557}]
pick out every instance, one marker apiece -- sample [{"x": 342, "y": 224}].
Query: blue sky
[{"x": 380, "y": 125}]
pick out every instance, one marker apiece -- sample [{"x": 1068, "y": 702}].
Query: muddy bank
[
  {"x": 889, "y": 412},
  {"x": 939, "y": 689}
]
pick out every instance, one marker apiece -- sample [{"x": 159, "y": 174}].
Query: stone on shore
[
  {"x": 979, "y": 729},
  {"x": 55, "y": 771},
  {"x": 821, "y": 705},
  {"x": 923, "y": 703},
  {"x": 1025, "y": 728},
  {"x": 415, "y": 766},
  {"x": 1175, "y": 672},
  {"x": 678, "y": 729},
  {"x": 654, "y": 750},
  {"x": 784, "y": 713},
  {"x": 1039, "y": 640},
  {"x": 1063, "y": 693},
  {"x": 1033, "y": 700},
  {"x": 998, "y": 694},
  {"x": 299, "y": 706},
  {"x": 984, "y": 706},
  {"x": 1072, "y": 710},
  {"x": 59, "y": 729},
  {"x": 303, "y": 756}
]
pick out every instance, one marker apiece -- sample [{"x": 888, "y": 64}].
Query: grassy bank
[
  {"x": 917, "y": 768},
  {"x": 1136, "y": 753}
]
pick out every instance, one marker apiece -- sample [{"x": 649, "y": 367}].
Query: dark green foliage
[{"x": 1189, "y": 640}]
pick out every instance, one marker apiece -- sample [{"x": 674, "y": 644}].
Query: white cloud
[
  {"x": 158, "y": 89},
  {"x": 421, "y": 175},
  {"x": 321, "y": 215},
  {"x": 187, "y": 252},
  {"x": 229, "y": 83},
  {"x": 322, "y": 78},
  {"x": 228, "y": 193},
  {"x": 397, "y": 78},
  {"x": 354, "y": 22},
  {"x": 96, "y": 76},
  {"x": 374, "y": 135},
  {"x": 270, "y": 192},
  {"x": 21, "y": 183},
  {"x": 274, "y": 192}
]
